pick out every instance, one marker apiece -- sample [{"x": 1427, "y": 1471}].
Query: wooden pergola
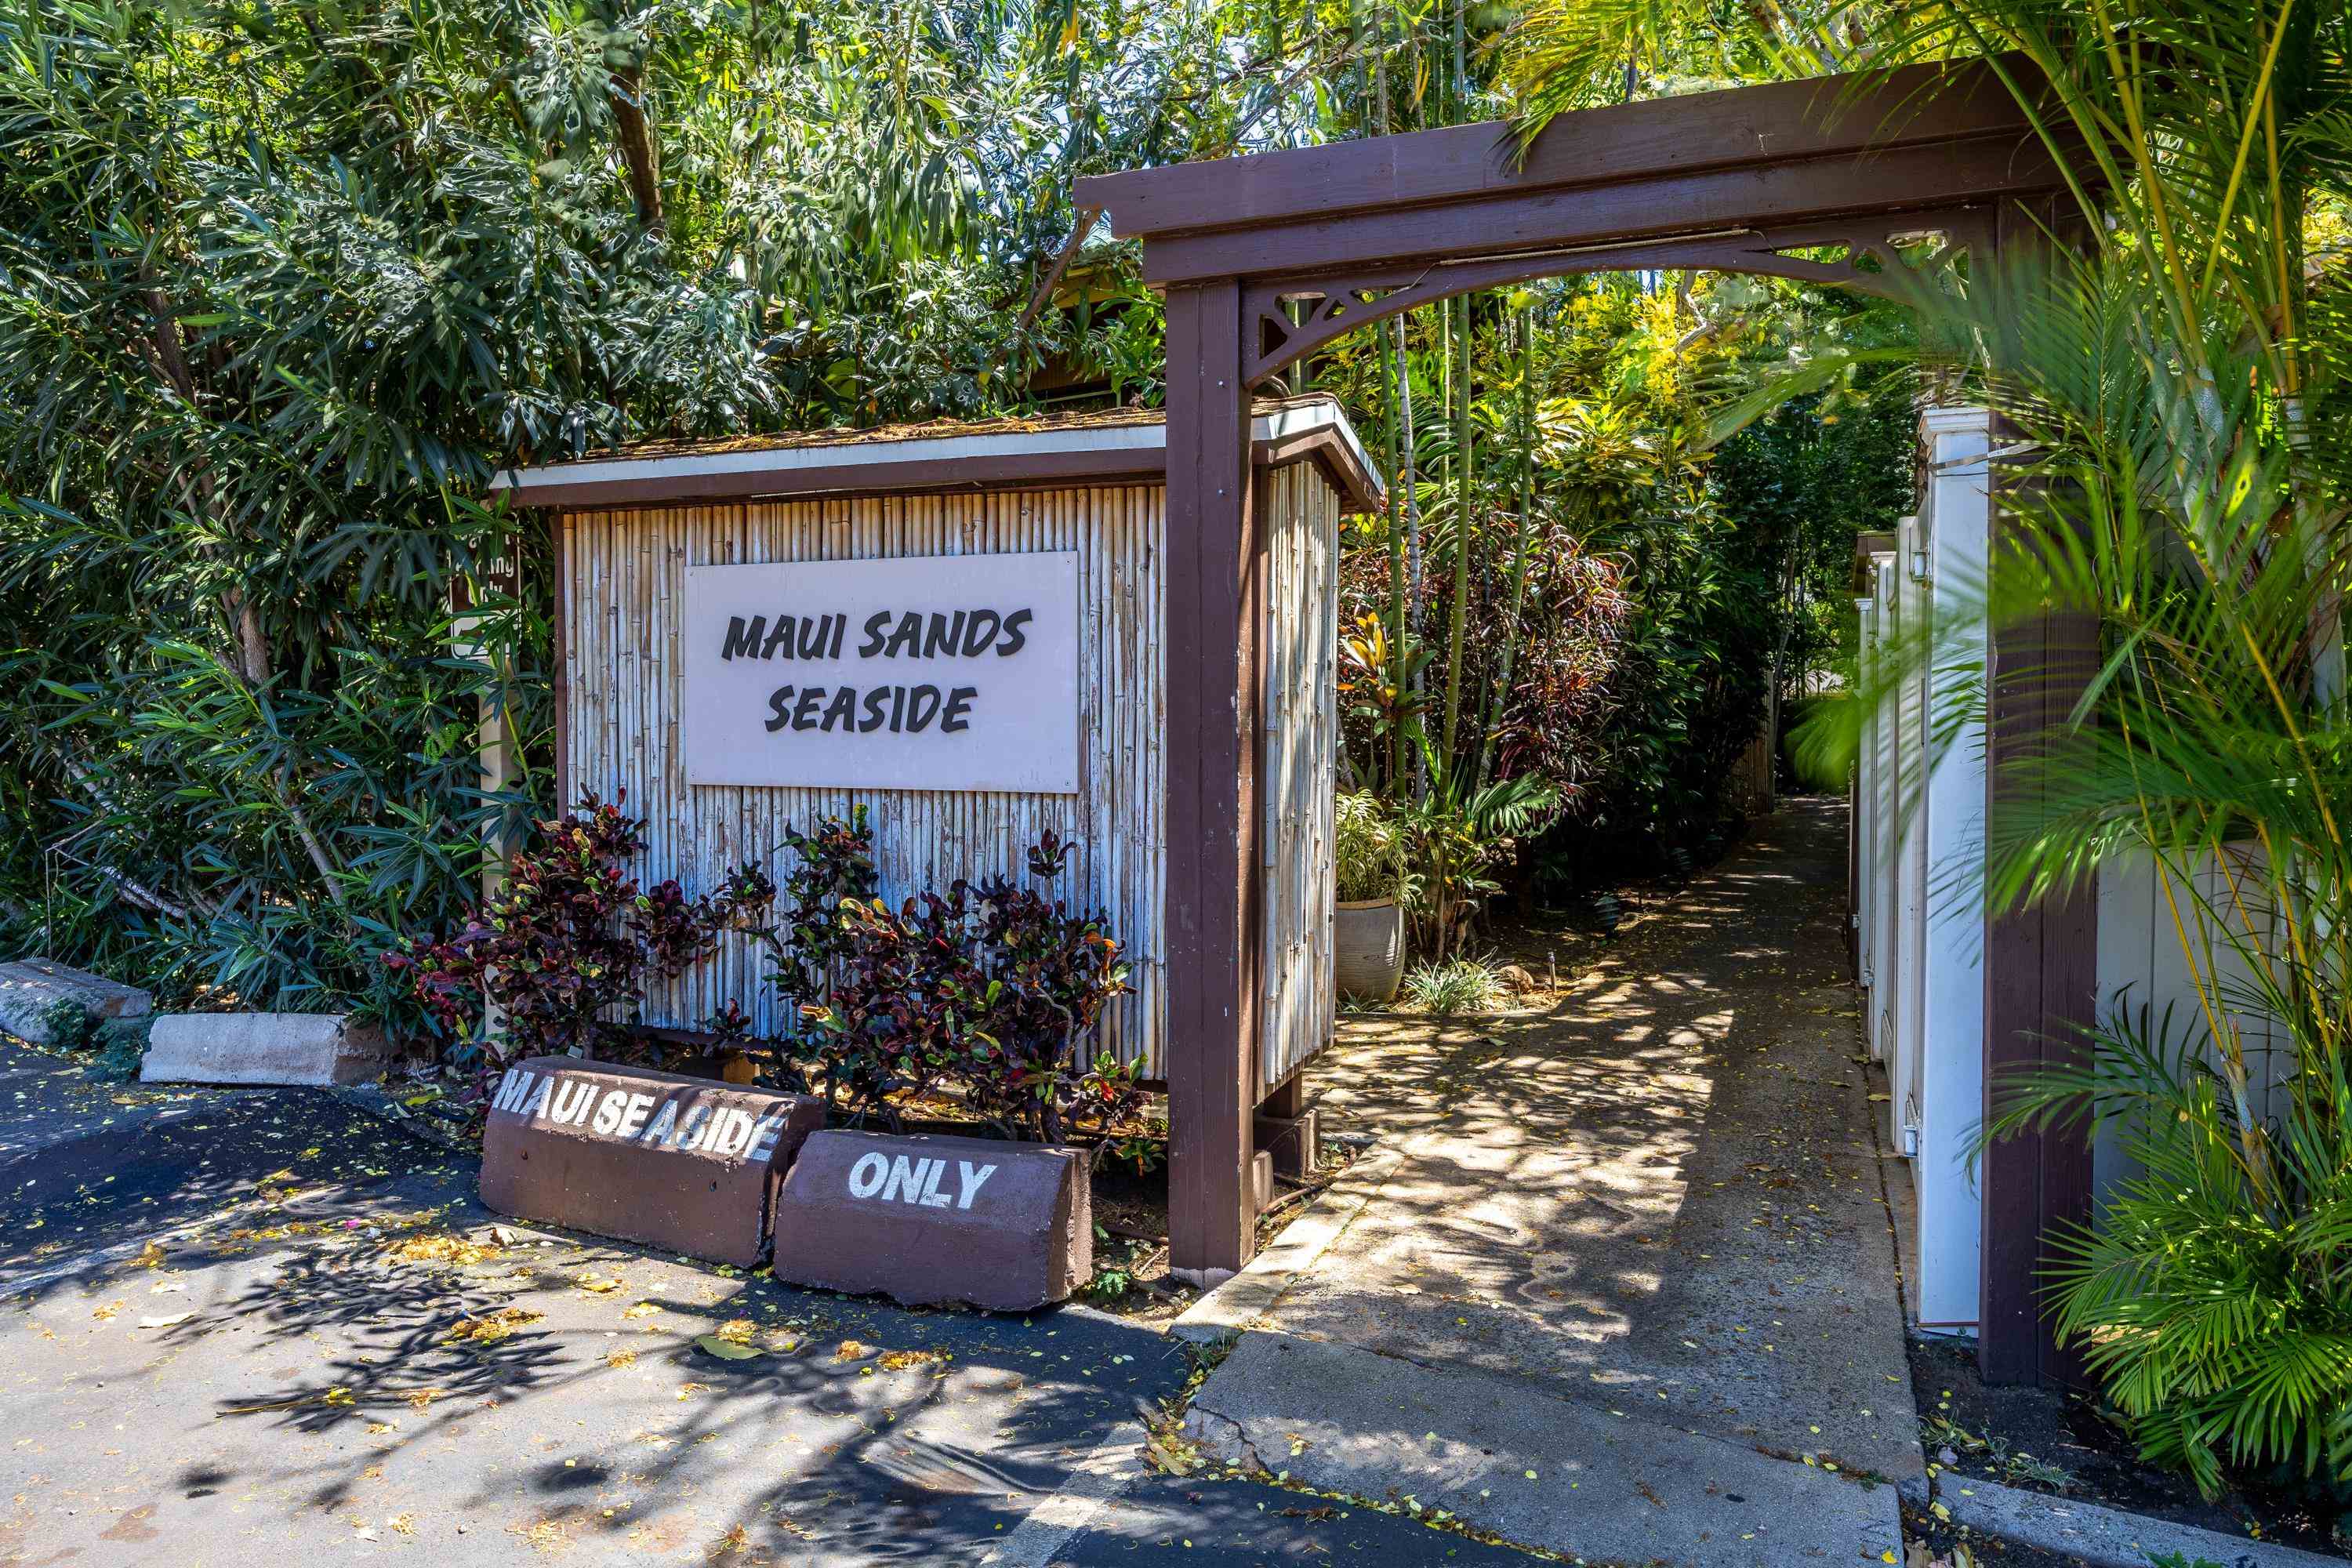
[{"x": 1263, "y": 260}]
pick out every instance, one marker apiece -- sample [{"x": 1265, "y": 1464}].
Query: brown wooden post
[
  {"x": 1287, "y": 1098},
  {"x": 1215, "y": 613},
  {"x": 2041, "y": 970}
]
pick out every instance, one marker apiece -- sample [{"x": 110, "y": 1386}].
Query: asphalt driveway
[{"x": 240, "y": 1326}]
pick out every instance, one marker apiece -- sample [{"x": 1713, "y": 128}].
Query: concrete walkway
[{"x": 1653, "y": 1213}]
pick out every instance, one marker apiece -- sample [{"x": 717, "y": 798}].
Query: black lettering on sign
[
  {"x": 742, "y": 638},
  {"x": 841, "y": 710},
  {"x": 779, "y": 637},
  {"x": 975, "y": 638},
  {"x": 1014, "y": 638},
  {"x": 908, "y": 638},
  {"x": 874, "y": 717},
  {"x": 944, "y": 636},
  {"x": 874, "y": 634},
  {"x": 922, "y": 707},
  {"x": 959, "y": 704},
  {"x": 804, "y": 710},
  {"x": 780, "y": 703}
]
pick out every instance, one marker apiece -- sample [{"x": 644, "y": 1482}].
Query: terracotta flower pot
[{"x": 1368, "y": 943}]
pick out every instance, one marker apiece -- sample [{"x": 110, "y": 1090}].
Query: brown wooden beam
[
  {"x": 1708, "y": 202},
  {"x": 1215, "y": 610},
  {"x": 1829, "y": 118}
]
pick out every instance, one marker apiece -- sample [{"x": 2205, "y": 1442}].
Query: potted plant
[{"x": 1368, "y": 859}]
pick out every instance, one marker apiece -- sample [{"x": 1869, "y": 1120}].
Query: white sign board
[{"x": 943, "y": 672}]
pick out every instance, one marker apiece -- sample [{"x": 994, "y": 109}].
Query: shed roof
[{"x": 1110, "y": 445}]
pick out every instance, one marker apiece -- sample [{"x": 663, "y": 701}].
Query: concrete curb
[
  {"x": 2101, "y": 1537},
  {"x": 1222, "y": 1313}
]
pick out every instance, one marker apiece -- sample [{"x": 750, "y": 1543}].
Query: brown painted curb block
[
  {"x": 931, "y": 1220},
  {"x": 681, "y": 1163}
]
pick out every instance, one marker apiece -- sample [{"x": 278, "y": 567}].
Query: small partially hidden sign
[
  {"x": 938, "y": 673},
  {"x": 924, "y": 1220},
  {"x": 681, "y": 1163}
]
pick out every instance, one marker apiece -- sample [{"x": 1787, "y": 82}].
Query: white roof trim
[{"x": 1272, "y": 425}]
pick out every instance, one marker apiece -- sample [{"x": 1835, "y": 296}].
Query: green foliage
[
  {"x": 1454, "y": 986},
  {"x": 121, "y": 1047},
  {"x": 1367, "y": 849},
  {"x": 2214, "y": 1305},
  {"x": 1454, "y": 837},
  {"x": 1655, "y": 538},
  {"x": 71, "y": 1026},
  {"x": 281, "y": 287}
]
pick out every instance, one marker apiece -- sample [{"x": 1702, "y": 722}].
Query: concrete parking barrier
[
  {"x": 314, "y": 1049},
  {"x": 682, "y": 1164},
  {"x": 31, "y": 988},
  {"x": 930, "y": 1220}
]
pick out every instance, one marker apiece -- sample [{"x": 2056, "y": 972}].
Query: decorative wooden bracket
[{"x": 1290, "y": 318}]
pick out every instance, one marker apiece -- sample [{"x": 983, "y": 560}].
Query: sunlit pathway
[{"x": 1658, "y": 1201}]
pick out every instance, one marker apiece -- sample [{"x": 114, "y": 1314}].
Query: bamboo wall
[
  {"x": 1302, "y": 739},
  {"x": 623, "y": 572},
  {"x": 623, "y": 577}
]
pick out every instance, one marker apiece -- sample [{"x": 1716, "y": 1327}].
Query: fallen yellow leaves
[
  {"x": 443, "y": 1247},
  {"x": 736, "y": 1331},
  {"x": 642, "y": 1310},
  {"x": 492, "y": 1328},
  {"x": 620, "y": 1359},
  {"x": 543, "y": 1534},
  {"x": 149, "y": 1256},
  {"x": 897, "y": 1360},
  {"x": 106, "y": 1314},
  {"x": 851, "y": 1349},
  {"x": 595, "y": 1285}
]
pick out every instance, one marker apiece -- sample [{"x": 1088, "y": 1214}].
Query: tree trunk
[
  {"x": 1457, "y": 619},
  {"x": 639, "y": 158},
  {"x": 1408, "y": 614},
  {"x": 1395, "y": 781},
  {"x": 1501, "y": 698}
]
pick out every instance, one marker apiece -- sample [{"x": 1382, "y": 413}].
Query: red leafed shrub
[
  {"x": 1045, "y": 975},
  {"x": 571, "y": 940},
  {"x": 990, "y": 988}
]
